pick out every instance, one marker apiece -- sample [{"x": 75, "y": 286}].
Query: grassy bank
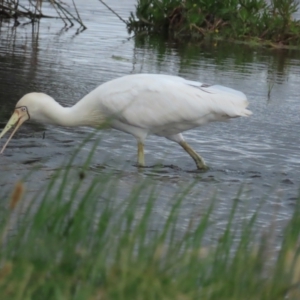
[
  {"x": 77, "y": 240},
  {"x": 256, "y": 20}
]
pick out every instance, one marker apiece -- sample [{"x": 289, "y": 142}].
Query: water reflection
[
  {"x": 261, "y": 152},
  {"x": 241, "y": 58}
]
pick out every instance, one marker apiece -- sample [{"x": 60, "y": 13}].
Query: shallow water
[{"x": 261, "y": 152}]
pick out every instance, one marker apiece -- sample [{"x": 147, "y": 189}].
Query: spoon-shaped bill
[{"x": 17, "y": 119}]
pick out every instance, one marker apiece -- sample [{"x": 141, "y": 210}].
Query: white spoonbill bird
[{"x": 139, "y": 104}]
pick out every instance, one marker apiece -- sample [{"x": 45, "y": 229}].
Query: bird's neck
[{"x": 77, "y": 115}]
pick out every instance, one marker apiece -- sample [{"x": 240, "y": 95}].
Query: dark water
[{"x": 261, "y": 152}]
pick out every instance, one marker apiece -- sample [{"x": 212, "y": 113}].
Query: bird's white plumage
[
  {"x": 164, "y": 105},
  {"x": 139, "y": 104}
]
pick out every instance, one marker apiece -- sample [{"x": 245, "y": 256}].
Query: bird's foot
[
  {"x": 203, "y": 169},
  {"x": 139, "y": 165},
  {"x": 201, "y": 166}
]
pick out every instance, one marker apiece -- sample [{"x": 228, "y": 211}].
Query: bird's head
[{"x": 28, "y": 107}]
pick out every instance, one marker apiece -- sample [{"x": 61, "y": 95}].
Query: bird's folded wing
[{"x": 159, "y": 103}]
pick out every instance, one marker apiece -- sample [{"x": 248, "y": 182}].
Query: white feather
[{"x": 164, "y": 105}]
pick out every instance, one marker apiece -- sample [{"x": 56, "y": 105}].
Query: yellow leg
[
  {"x": 141, "y": 157},
  {"x": 201, "y": 165}
]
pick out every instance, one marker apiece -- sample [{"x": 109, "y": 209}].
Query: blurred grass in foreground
[{"x": 77, "y": 241}]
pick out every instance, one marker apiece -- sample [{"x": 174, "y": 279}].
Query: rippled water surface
[{"x": 261, "y": 152}]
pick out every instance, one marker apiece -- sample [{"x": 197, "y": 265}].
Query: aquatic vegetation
[
  {"x": 13, "y": 9},
  {"x": 270, "y": 87},
  {"x": 255, "y": 20},
  {"x": 77, "y": 240}
]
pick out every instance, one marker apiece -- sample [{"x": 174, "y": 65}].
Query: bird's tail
[{"x": 245, "y": 112}]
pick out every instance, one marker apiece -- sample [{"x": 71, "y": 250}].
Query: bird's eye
[{"x": 23, "y": 108}]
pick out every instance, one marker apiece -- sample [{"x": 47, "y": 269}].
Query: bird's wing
[{"x": 156, "y": 101}]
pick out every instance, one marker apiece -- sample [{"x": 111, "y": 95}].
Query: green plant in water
[
  {"x": 270, "y": 88},
  {"x": 236, "y": 19}
]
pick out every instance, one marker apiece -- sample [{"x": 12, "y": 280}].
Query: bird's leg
[
  {"x": 201, "y": 165},
  {"x": 141, "y": 157}
]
